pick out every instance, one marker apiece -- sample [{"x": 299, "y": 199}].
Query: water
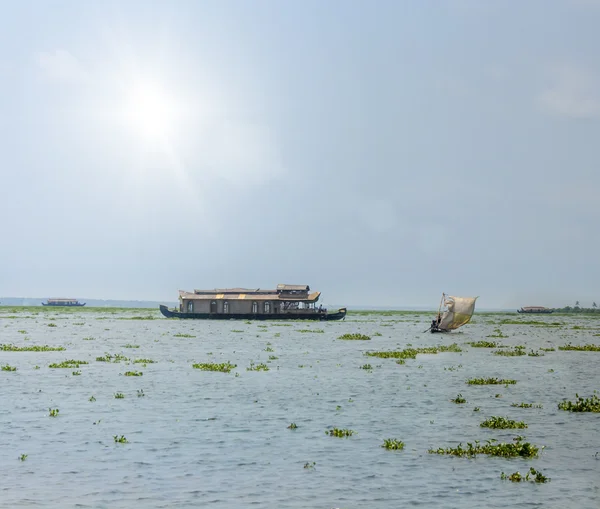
[{"x": 200, "y": 438}]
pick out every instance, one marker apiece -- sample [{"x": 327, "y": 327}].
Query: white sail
[{"x": 460, "y": 310}]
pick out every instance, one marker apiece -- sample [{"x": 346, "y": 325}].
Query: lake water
[{"x": 211, "y": 439}]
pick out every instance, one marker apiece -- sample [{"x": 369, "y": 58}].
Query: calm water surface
[{"x": 209, "y": 439}]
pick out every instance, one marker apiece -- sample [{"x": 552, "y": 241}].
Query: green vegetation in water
[
  {"x": 120, "y": 439},
  {"x": 459, "y": 399},
  {"x": 355, "y": 337},
  {"x": 119, "y": 395},
  {"x": 392, "y": 444},
  {"x": 237, "y": 330},
  {"x": 183, "y": 336},
  {"x": 517, "y": 448},
  {"x": 316, "y": 331},
  {"x": 502, "y": 423},
  {"x": 76, "y": 373},
  {"x": 580, "y": 348},
  {"x": 224, "y": 367},
  {"x": 497, "y": 334},
  {"x": 90, "y": 338},
  {"x": 128, "y": 345},
  {"x": 92, "y": 399},
  {"x": 310, "y": 464},
  {"x": 143, "y": 361},
  {"x": 581, "y": 404},
  {"x": 52, "y": 324},
  {"x": 377, "y": 334},
  {"x": 490, "y": 381},
  {"x": 112, "y": 358},
  {"x": 44, "y": 348},
  {"x": 366, "y": 366},
  {"x": 53, "y": 412},
  {"x": 273, "y": 357},
  {"x": 530, "y": 322},
  {"x": 292, "y": 426},
  {"x": 483, "y": 344},
  {"x": 411, "y": 353},
  {"x": 6, "y": 367},
  {"x": 340, "y": 433},
  {"x": 517, "y": 351},
  {"x": 140, "y": 393},
  {"x": 68, "y": 364},
  {"x": 133, "y": 373},
  {"x": 533, "y": 475},
  {"x": 476, "y": 409},
  {"x": 269, "y": 349},
  {"x": 535, "y": 354},
  {"x": 526, "y": 405},
  {"x": 22, "y": 331},
  {"x": 551, "y": 349},
  {"x": 23, "y": 457},
  {"x": 258, "y": 367}
]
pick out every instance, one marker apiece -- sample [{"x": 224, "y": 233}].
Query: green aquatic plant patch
[
  {"x": 502, "y": 423},
  {"x": 340, "y": 433},
  {"x": 119, "y": 395},
  {"x": 133, "y": 373},
  {"x": 459, "y": 399},
  {"x": 293, "y": 425},
  {"x": 69, "y": 363},
  {"x": 128, "y": 345},
  {"x": 497, "y": 334},
  {"x": 143, "y": 361},
  {"x": 580, "y": 348},
  {"x": 581, "y": 404},
  {"x": 393, "y": 444},
  {"x": 490, "y": 381},
  {"x": 483, "y": 344},
  {"x": 515, "y": 352},
  {"x": 411, "y": 353},
  {"x": 258, "y": 367},
  {"x": 112, "y": 358},
  {"x": 7, "y": 367},
  {"x": 120, "y": 439},
  {"x": 355, "y": 337},
  {"x": 183, "y": 336},
  {"x": 527, "y": 405},
  {"x": 224, "y": 367},
  {"x": 533, "y": 476},
  {"x": 514, "y": 449},
  {"x": 53, "y": 412},
  {"x": 34, "y": 348}
]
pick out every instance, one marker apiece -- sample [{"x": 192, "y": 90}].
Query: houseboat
[
  {"x": 286, "y": 302},
  {"x": 63, "y": 302},
  {"x": 535, "y": 309}
]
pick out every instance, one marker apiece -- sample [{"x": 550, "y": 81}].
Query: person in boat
[{"x": 435, "y": 323}]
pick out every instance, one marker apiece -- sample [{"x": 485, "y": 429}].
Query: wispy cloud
[
  {"x": 571, "y": 93},
  {"x": 61, "y": 66}
]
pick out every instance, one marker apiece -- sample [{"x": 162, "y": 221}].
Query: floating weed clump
[
  {"x": 497, "y": 334},
  {"x": 483, "y": 344},
  {"x": 140, "y": 393},
  {"x": 7, "y": 367},
  {"x": 68, "y": 364},
  {"x": 76, "y": 373},
  {"x": 52, "y": 324},
  {"x": 514, "y": 449},
  {"x": 366, "y": 366},
  {"x": 459, "y": 399},
  {"x": 120, "y": 439},
  {"x": 269, "y": 349},
  {"x": 490, "y": 381},
  {"x": 517, "y": 351},
  {"x": 53, "y": 412},
  {"x": 90, "y": 338},
  {"x": 23, "y": 457},
  {"x": 183, "y": 336},
  {"x": 526, "y": 405},
  {"x": 273, "y": 357},
  {"x": 143, "y": 361},
  {"x": 533, "y": 475},
  {"x": 581, "y": 404},
  {"x": 133, "y": 373},
  {"x": 92, "y": 399},
  {"x": 128, "y": 345},
  {"x": 44, "y": 348},
  {"x": 310, "y": 464},
  {"x": 580, "y": 348},
  {"x": 258, "y": 367},
  {"x": 317, "y": 331},
  {"x": 340, "y": 433},
  {"x": 119, "y": 395},
  {"x": 502, "y": 423},
  {"x": 224, "y": 367},
  {"x": 411, "y": 353},
  {"x": 392, "y": 444},
  {"x": 112, "y": 358},
  {"x": 355, "y": 337},
  {"x": 551, "y": 349},
  {"x": 292, "y": 426}
]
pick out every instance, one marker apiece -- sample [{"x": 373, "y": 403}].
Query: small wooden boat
[{"x": 454, "y": 312}]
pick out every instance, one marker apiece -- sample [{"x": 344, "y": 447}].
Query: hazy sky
[{"x": 381, "y": 152}]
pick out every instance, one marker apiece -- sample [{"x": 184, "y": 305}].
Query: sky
[{"x": 381, "y": 152}]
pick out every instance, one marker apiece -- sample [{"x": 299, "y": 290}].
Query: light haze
[{"x": 381, "y": 152}]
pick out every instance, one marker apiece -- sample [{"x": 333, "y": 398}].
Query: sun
[{"x": 150, "y": 112}]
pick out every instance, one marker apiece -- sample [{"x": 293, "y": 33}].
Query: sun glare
[{"x": 150, "y": 112}]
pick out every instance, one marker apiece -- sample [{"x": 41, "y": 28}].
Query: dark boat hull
[
  {"x": 542, "y": 312},
  {"x": 322, "y": 317}
]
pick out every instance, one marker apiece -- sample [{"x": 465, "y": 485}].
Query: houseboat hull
[
  {"x": 535, "y": 311},
  {"x": 52, "y": 304},
  {"x": 338, "y": 315}
]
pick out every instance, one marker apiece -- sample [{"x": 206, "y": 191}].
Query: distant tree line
[{"x": 578, "y": 309}]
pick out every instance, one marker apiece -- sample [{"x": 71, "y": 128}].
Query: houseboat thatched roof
[{"x": 247, "y": 295}]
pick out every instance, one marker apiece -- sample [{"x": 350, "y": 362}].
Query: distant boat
[
  {"x": 63, "y": 302},
  {"x": 535, "y": 309},
  {"x": 454, "y": 312},
  {"x": 286, "y": 302}
]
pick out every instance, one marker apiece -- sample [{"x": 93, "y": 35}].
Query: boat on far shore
[
  {"x": 535, "y": 309},
  {"x": 63, "y": 303}
]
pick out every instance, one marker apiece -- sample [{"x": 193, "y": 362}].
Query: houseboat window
[
  {"x": 213, "y": 306},
  {"x": 190, "y": 306},
  {"x": 267, "y": 307},
  {"x": 225, "y": 307},
  {"x": 254, "y": 307}
]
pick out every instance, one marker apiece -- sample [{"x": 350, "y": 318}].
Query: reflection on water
[{"x": 196, "y": 438}]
